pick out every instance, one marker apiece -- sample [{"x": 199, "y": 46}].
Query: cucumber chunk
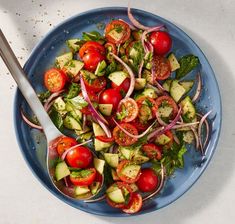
[
  {"x": 95, "y": 187},
  {"x": 98, "y": 131},
  {"x": 111, "y": 159},
  {"x": 150, "y": 93},
  {"x": 167, "y": 84},
  {"x": 73, "y": 67},
  {"x": 99, "y": 165},
  {"x": 188, "y": 109},
  {"x": 116, "y": 196},
  {"x": 61, "y": 171},
  {"x": 106, "y": 109},
  {"x": 173, "y": 62},
  {"x": 99, "y": 145},
  {"x": 176, "y": 90},
  {"x": 188, "y": 137},
  {"x": 71, "y": 123},
  {"x": 131, "y": 171},
  {"x": 63, "y": 59},
  {"x": 162, "y": 139},
  {"x": 79, "y": 190},
  {"x": 140, "y": 83},
  {"x": 114, "y": 175},
  {"x": 187, "y": 85},
  {"x": 118, "y": 77}
]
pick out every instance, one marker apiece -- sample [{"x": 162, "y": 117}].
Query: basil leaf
[{"x": 187, "y": 64}]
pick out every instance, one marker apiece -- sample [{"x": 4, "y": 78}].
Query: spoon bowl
[{"x": 53, "y": 135}]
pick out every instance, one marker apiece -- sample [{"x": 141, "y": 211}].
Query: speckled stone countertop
[{"x": 211, "y": 200}]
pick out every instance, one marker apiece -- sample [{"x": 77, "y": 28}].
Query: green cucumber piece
[
  {"x": 131, "y": 171},
  {"x": 188, "y": 109},
  {"x": 111, "y": 159},
  {"x": 106, "y": 109},
  {"x": 188, "y": 137},
  {"x": 63, "y": 59},
  {"x": 71, "y": 123},
  {"x": 140, "y": 83},
  {"x": 61, "y": 171},
  {"x": 173, "y": 62},
  {"x": 126, "y": 152},
  {"x": 114, "y": 175},
  {"x": 118, "y": 77},
  {"x": 95, "y": 187},
  {"x": 167, "y": 84},
  {"x": 176, "y": 90},
  {"x": 150, "y": 93},
  {"x": 145, "y": 113},
  {"x": 116, "y": 196},
  {"x": 140, "y": 159},
  {"x": 99, "y": 145},
  {"x": 99, "y": 165},
  {"x": 79, "y": 190},
  {"x": 162, "y": 139},
  {"x": 98, "y": 131},
  {"x": 187, "y": 85},
  {"x": 73, "y": 67}
]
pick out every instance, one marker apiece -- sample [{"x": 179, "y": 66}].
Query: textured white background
[{"x": 211, "y": 23}]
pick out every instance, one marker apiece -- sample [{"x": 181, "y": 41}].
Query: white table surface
[{"x": 211, "y": 23}]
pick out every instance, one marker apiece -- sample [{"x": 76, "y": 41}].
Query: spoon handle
[{"x": 26, "y": 89}]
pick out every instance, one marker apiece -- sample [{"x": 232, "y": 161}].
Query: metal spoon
[{"x": 51, "y": 132}]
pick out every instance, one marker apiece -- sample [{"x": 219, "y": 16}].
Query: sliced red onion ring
[
  {"x": 176, "y": 139},
  {"x": 160, "y": 121},
  {"x": 68, "y": 150},
  {"x": 202, "y": 121},
  {"x": 132, "y": 75},
  {"x": 105, "y": 128},
  {"x": 199, "y": 88},
  {"x": 86, "y": 97},
  {"x": 165, "y": 128},
  {"x": 131, "y": 26},
  {"x": 49, "y": 100},
  {"x": 30, "y": 123},
  {"x": 134, "y": 136},
  {"x": 183, "y": 125},
  {"x": 66, "y": 182},
  {"x": 140, "y": 68},
  {"x": 196, "y": 137}
]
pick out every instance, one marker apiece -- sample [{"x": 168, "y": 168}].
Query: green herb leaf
[
  {"x": 93, "y": 35},
  {"x": 187, "y": 64},
  {"x": 78, "y": 102},
  {"x": 43, "y": 96},
  {"x": 123, "y": 113},
  {"x": 112, "y": 67},
  {"x": 74, "y": 89},
  {"x": 56, "y": 118}
]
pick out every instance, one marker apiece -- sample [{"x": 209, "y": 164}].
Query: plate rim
[{"x": 18, "y": 93}]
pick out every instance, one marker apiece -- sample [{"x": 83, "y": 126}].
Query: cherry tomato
[
  {"x": 79, "y": 157},
  {"x": 147, "y": 101},
  {"x": 124, "y": 187},
  {"x": 140, "y": 125},
  {"x": 92, "y": 59},
  {"x": 105, "y": 139},
  {"x": 135, "y": 204},
  {"x": 129, "y": 107},
  {"x": 162, "y": 68},
  {"x": 152, "y": 151},
  {"x": 94, "y": 99},
  {"x": 83, "y": 177},
  {"x": 110, "y": 120},
  {"x": 65, "y": 143},
  {"x": 148, "y": 180},
  {"x": 122, "y": 138},
  {"x": 54, "y": 79},
  {"x": 117, "y": 32},
  {"x": 161, "y": 42},
  {"x": 110, "y": 96},
  {"x": 124, "y": 86},
  {"x": 123, "y": 177},
  {"x": 94, "y": 85},
  {"x": 91, "y": 46},
  {"x": 110, "y": 47},
  {"x": 163, "y": 101}
]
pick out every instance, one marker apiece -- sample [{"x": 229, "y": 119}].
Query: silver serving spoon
[{"x": 51, "y": 132}]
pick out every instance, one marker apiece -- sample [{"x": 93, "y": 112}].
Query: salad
[{"x": 124, "y": 101}]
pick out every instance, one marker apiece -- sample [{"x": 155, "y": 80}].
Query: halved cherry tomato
[
  {"x": 110, "y": 120},
  {"x": 79, "y": 157},
  {"x": 161, "y": 42},
  {"x": 105, "y": 139},
  {"x": 150, "y": 102},
  {"x": 94, "y": 99},
  {"x": 95, "y": 85},
  {"x": 65, "y": 143},
  {"x": 168, "y": 145},
  {"x": 124, "y": 86},
  {"x": 92, "y": 59},
  {"x": 163, "y": 101},
  {"x": 140, "y": 125},
  {"x": 162, "y": 68},
  {"x": 124, "y": 187},
  {"x": 148, "y": 180},
  {"x": 83, "y": 177},
  {"x": 128, "y": 108},
  {"x": 117, "y": 32},
  {"x": 55, "y": 79},
  {"x": 91, "y": 46},
  {"x": 110, "y": 96},
  {"x": 135, "y": 204},
  {"x": 122, "y": 138},
  {"x": 152, "y": 151},
  {"x": 123, "y": 177},
  {"x": 130, "y": 45}
]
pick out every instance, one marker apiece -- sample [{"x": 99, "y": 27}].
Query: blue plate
[{"x": 32, "y": 142}]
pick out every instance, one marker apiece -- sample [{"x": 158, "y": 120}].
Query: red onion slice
[
  {"x": 165, "y": 128},
  {"x": 196, "y": 137},
  {"x": 132, "y": 75},
  {"x": 68, "y": 150},
  {"x": 160, "y": 121},
  {"x": 30, "y": 123},
  {"x": 199, "y": 88},
  {"x": 105, "y": 128},
  {"x": 134, "y": 136},
  {"x": 131, "y": 26},
  {"x": 48, "y": 104},
  {"x": 200, "y": 129},
  {"x": 184, "y": 125},
  {"x": 86, "y": 97},
  {"x": 140, "y": 68}
]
